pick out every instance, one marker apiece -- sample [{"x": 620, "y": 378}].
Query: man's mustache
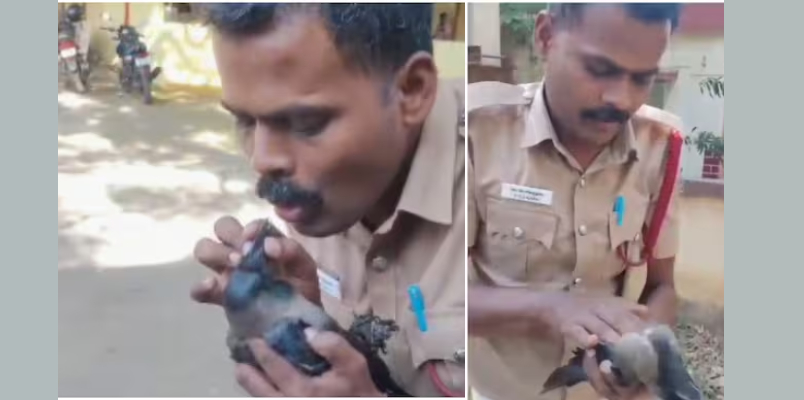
[
  {"x": 606, "y": 114},
  {"x": 284, "y": 193}
]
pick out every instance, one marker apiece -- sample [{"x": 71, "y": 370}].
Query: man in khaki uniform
[
  {"x": 547, "y": 163},
  {"x": 360, "y": 148}
]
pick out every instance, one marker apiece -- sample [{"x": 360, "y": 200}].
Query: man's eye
[
  {"x": 643, "y": 80},
  {"x": 601, "y": 71},
  {"x": 309, "y": 126},
  {"x": 244, "y": 124}
]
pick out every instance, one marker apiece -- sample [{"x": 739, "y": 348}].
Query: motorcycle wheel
[
  {"x": 145, "y": 85},
  {"x": 124, "y": 78},
  {"x": 78, "y": 82}
]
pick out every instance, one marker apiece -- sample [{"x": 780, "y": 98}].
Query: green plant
[
  {"x": 706, "y": 142},
  {"x": 517, "y": 20},
  {"x": 715, "y": 86}
]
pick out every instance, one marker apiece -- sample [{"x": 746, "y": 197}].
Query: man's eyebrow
[
  {"x": 230, "y": 109},
  {"x": 290, "y": 112},
  {"x": 613, "y": 65}
]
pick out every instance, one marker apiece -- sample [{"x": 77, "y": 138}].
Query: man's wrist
[{"x": 541, "y": 310}]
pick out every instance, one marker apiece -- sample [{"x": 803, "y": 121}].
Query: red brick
[{"x": 702, "y": 19}]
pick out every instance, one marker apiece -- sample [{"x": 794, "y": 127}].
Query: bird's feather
[{"x": 258, "y": 305}]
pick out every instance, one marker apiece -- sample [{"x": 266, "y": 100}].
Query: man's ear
[
  {"x": 416, "y": 85},
  {"x": 544, "y": 32}
]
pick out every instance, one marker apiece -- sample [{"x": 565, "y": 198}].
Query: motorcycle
[
  {"x": 135, "y": 62},
  {"x": 70, "y": 59}
]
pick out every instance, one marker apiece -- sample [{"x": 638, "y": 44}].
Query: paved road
[{"x": 138, "y": 186}]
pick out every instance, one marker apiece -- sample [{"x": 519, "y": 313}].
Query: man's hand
[
  {"x": 586, "y": 320},
  {"x": 605, "y": 384},
  {"x": 221, "y": 256},
  {"x": 349, "y": 376}
]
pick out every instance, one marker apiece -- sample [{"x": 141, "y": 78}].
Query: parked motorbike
[
  {"x": 136, "y": 73},
  {"x": 71, "y": 62}
]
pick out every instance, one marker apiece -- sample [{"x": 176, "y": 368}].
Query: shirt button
[
  {"x": 582, "y": 182},
  {"x": 379, "y": 263},
  {"x": 459, "y": 356},
  {"x": 576, "y": 281},
  {"x": 638, "y": 237},
  {"x": 518, "y": 232},
  {"x": 582, "y": 230}
]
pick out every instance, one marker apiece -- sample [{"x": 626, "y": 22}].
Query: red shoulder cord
[
  {"x": 651, "y": 232},
  {"x": 439, "y": 384}
]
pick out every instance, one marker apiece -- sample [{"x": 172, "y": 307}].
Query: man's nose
[
  {"x": 271, "y": 152},
  {"x": 620, "y": 94}
]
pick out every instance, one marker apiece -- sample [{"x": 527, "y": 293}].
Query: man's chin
[{"x": 319, "y": 227}]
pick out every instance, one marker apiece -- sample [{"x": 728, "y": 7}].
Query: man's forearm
[
  {"x": 507, "y": 311},
  {"x": 659, "y": 293},
  {"x": 661, "y": 301}
]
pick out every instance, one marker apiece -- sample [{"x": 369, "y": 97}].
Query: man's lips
[
  {"x": 607, "y": 127},
  {"x": 292, "y": 214}
]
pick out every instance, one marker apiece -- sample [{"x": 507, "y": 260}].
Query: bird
[
  {"x": 258, "y": 304},
  {"x": 651, "y": 357}
]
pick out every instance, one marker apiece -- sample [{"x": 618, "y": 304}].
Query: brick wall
[{"x": 711, "y": 167}]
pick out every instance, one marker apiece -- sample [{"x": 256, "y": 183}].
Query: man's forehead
[
  {"x": 287, "y": 66},
  {"x": 626, "y": 42}
]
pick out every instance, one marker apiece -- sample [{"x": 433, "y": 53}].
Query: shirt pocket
[
  {"x": 439, "y": 353},
  {"x": 515, "y": 233},
  {"x": 627, "y": 238}
]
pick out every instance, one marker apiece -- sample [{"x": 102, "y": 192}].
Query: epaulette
[
  {"x": 670, "y": 120},
  {"x": 492, "y": 93}
]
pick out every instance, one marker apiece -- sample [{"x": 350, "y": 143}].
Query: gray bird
[
  {"x": 651, "y": 358},
  {"x": 259, "y": 305}
]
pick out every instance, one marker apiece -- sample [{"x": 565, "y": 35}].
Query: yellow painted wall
[{"x": 184, "y": 51}]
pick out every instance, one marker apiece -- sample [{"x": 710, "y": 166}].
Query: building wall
[
  {"x": 484, "y": 28},
  {"x": 695, "y": 58},
  {"x": 184, "y": 50}
]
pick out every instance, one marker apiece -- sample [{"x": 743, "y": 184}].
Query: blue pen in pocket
[
  {"x": 417, "y": 305},
  {"x": 619, "y": 208}
]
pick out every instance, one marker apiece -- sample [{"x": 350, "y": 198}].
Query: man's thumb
[{"x": 329, "y": 345}]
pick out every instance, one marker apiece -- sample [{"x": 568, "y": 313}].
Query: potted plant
[{"x": 706, "y": 142}]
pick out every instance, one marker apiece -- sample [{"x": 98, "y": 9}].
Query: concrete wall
[
  {"x": 695, "y": 58},
  {"x": 484, "y": 28},
  {"x": 184, "y": 50}
]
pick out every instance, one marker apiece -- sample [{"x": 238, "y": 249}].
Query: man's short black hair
[
  {"x": 376, "y": 38},
  {"x": 645, "y": 12}
]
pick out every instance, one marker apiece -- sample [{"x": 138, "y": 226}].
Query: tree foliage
[{"x": 517, "y": 19}]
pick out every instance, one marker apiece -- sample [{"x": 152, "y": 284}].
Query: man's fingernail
[
  {"x": 234, "y": 259},
  {"x": 605, "y": 367},
  {"x": 310, "y": 333},
  {"x": 254, "y": 343},
  {"x": 208, "y": 283},
  {"x": 247, "y": 247},
  {"x": 272, "y": 247}
]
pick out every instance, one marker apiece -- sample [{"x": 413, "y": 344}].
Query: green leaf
[{"x": 517, "y": 19}]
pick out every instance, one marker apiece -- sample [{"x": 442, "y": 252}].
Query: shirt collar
[
  {"x": 539, "y": 128},
  {"x": 428, "y": 190}
]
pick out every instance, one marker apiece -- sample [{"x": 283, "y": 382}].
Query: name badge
[
  {"x": 527, "y": 194},
  {"x": 329, "y": 284}
]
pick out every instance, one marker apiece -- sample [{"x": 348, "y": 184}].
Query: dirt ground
[
  {"x": 138, "y": 185},
  {"x": 700, "y": 282}
]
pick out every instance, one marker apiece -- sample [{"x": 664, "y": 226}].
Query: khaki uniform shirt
[
  {"x": 422, "y": 243},
  {"x": 555, "y": 228}
]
